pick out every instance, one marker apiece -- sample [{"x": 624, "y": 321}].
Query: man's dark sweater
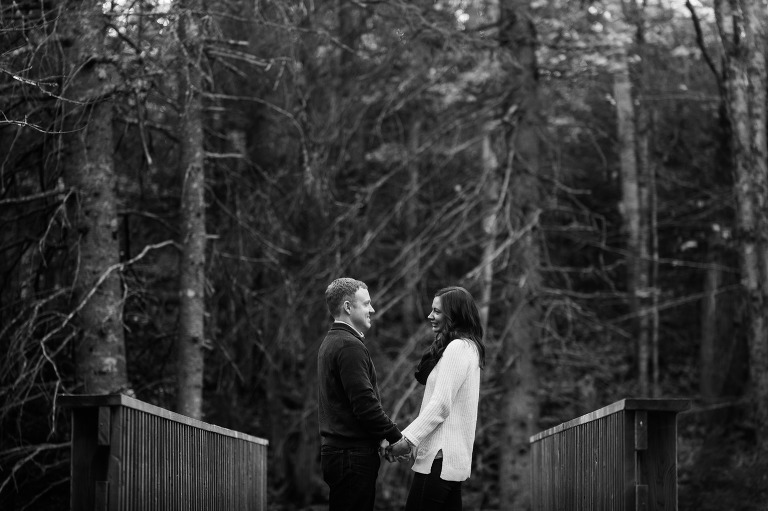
[{"x": 349, "y": 403}]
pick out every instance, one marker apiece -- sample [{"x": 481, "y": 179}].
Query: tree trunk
[
  {"x": 491, "y": 196},
  {"x": 742, "y": 26},
  {"x": 192, "y": 219},
  {"x": 644, "y": 287},
  {"x": 411, "y": 311},
  {"x": 632, "y": 211},
  {"x": 100, "y": 351},
  {"x": 652, "y": 267},
  {"x": 519, "y": 408},
  {"x": 710, "y": 355}
]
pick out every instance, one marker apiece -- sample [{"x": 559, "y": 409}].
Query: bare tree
[
  {"x": 87, "y": 103},
  {"x": 519, "y": 379},
  {"x": 634, "y": 212},
  {"x": 411, "y": 223},
  {"x": 742, "y": 25},
  {"x": 717, "y": 340},
  {"x": 644, "y": 294},
  {"x": 191, "y": 337},
  {"x": 492, "y": 201}
]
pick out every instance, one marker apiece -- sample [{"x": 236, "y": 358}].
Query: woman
[{"x": 443, "y": 434}]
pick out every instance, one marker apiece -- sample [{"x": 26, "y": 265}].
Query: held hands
[{"x": 402, "y": 450}]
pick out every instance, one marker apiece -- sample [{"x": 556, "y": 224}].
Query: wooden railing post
[
  {"x": 88, "y": 463},
  {"x": 130, "y": 455},
  {"x": 622, "y": 457}
]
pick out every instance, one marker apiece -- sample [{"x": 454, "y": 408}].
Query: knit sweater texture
[
  {"x": 448, "y": 415},
  {"x": 349, "y": 405}
]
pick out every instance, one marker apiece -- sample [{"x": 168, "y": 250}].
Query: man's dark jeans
[
  {"x": 351, "y": 475},
  {"x": 430, "y": 493}
]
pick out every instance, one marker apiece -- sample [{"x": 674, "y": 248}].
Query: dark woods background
[{"x": 180, "y": 181}]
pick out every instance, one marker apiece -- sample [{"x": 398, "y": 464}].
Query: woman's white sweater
[{"x": 448, "y": 413}]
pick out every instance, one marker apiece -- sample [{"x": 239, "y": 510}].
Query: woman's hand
[{"x": 402, "y": 450}]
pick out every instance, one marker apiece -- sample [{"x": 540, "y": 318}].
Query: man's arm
[{"x": 353, "y": 370}]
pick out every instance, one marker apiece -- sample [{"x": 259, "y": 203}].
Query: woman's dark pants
[{"x": 430, "y": 493}]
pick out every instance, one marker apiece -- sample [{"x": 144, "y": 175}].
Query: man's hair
[{"x": 339, "y": 291}]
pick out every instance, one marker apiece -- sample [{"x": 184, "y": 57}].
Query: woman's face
[{"x": 436, "y": 317}]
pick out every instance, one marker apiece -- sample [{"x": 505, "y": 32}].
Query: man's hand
[
  {"x": 383, "y": 445},
  {"x": 401, "y": 450}
]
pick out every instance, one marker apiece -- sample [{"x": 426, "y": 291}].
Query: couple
[{"x": 354, "y": 429}]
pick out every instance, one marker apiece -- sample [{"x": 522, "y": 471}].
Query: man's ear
[{"x": 345, "y": 306}]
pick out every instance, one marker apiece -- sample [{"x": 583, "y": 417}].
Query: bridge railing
[
  {"x": 619, "y": 458},
  {"x": 131, "y": 455}
]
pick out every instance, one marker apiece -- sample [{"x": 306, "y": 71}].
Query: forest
[{"x": 180, "y": 180}]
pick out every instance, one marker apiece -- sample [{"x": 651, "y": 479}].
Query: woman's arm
[{"x": 458, "y": 358}]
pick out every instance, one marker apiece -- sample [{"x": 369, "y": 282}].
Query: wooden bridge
[
  {"x": 130, "y": 455},
  {"x": 619, "y": 458}
]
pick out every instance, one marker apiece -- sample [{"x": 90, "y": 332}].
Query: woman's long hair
[{"x": 462, "y": 321}]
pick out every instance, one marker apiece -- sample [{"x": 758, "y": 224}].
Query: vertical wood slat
[
  {"x": 641, "y": 497},
  {"x": 101, "y": 496},
  {"x": 115, "y": 462},
  {"x": 105, "y": 425},
  {"x": 641, "y": 430},
  {"x": 127, "y": 454},
  {"x": 619, "y": 458},
  {"x": 84, "y": 459},
  {"x": 658, "y": 467}
]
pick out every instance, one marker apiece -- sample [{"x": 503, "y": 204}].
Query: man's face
[{"x": 361, "y": 310}]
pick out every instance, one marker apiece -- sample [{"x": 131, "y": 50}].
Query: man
[{"x": 352, "y": 421}]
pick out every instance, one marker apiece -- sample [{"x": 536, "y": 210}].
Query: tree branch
[
  {"x": 98, "y": 283},
  {"x": 700, "y": 42},
  {"x": 37, "y": 449},
  {"x": 33, "y": 197}
]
